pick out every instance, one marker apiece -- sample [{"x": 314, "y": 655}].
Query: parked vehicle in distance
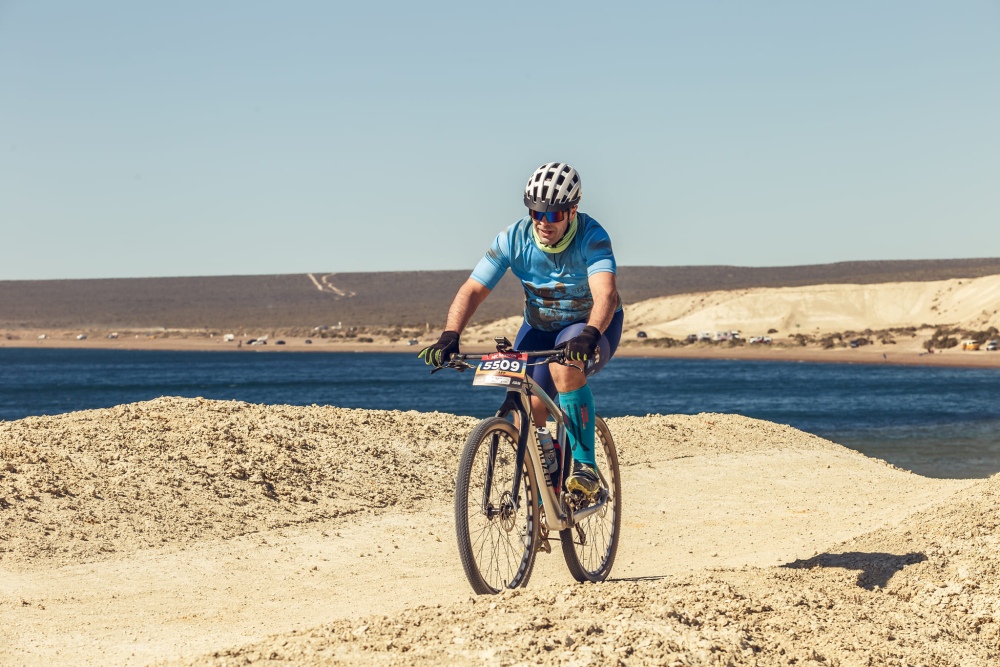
[
  {"x": 640, "y": 334},
  {"x": 81, "y": 337},
  {"x": 279, "y": 342},
  {"x": 412, "y": 341},
  {"x": 308, "y": 342},
  {"x": 229, "y": 338},
  {"x": 993, "y": 345},
  {"x": 970, "y": 345},
  {"x": 692, "y": 338},
  {"x": 705, "y": 335},
  {"x": 759, "y": 340}
]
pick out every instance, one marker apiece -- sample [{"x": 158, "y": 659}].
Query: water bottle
[{"x": 549, "y": 459}]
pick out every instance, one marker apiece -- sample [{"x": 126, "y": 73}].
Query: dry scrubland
[
  {"x": 386, "y": 299},
  {"x": 898, "y": 317},
  {"x": 220, "y": 533},
  {"x": 811, "y": 312}
]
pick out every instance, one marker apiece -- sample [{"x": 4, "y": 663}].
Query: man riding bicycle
[{"x": 567, "y": 269}]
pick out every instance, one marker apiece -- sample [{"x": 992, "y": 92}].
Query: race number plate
[{"x": 502, "y": 369}]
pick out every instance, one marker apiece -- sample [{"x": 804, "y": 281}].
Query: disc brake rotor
[{"x": 507, "y": 513}]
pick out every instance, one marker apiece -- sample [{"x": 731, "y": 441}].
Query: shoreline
[{"x": 883, "y": 354}]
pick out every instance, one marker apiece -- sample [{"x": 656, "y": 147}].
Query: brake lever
[
  {"x": 459, "y": 366},
  {"x": 565, "y": 362}
]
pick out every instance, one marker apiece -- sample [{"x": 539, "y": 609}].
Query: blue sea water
[{"x": 936, "y": 421}]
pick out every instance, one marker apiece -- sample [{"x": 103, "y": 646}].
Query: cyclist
[{"x": 566, "y": 265}]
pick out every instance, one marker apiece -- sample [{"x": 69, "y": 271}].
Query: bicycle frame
[{"x": 558, "y": 515}]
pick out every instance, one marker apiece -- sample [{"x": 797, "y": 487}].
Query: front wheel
[
  {"x": 590, "y": 546},
  {"x": 496, "y": 525}
]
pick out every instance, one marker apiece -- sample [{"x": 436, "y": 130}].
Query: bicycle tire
[
  {"x": 497, "y": 550},
  {"x": 593, "y": 560}
]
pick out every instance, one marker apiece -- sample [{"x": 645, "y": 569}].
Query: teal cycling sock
[{"x": 579, "y": 408}]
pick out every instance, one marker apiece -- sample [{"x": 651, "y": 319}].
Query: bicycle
[{"x": 507, "y": 503}]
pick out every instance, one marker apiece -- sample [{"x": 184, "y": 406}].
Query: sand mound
[
  {"x": 773, "y": 617},
  {"x": 665, "y": 437},
  {"x": 725, "y": 559},
  {"x": 925, "y": 592},
  {"x": 943, "y": 561},
  {"x": 971, "y": 303},
  {"x": 175, "y": 470}
]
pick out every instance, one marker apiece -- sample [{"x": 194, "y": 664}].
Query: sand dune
[
  {"x": 179, "y": 528},
  {"x": 972, "y": 303}
]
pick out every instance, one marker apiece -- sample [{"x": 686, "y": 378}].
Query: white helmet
[{"x": 553, "y": 187}]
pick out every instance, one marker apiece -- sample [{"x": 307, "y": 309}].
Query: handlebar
[
  {"x": 461, "y": 361},
  {"x": 558, "y": 354}
]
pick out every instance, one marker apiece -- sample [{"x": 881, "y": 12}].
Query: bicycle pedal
[{"x": 577, "y": 500}]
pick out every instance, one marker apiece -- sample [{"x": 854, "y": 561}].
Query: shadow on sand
[{"x": 876, "y": 569}]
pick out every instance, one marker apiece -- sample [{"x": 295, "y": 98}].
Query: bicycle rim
[
  {"x": 591, "y": 555},
  {"x": 496, "y": 540}
]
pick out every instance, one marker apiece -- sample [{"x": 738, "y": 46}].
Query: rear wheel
[
  {"x": 590, "y": 546},
  {"x": 497, "y": 532}
]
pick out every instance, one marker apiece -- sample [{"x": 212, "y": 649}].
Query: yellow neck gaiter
[{"x": 563, "y": 242}]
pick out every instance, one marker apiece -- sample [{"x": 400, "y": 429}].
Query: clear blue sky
[{"x": 212, "y": 138}]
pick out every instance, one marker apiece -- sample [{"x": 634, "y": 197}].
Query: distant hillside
[
  {"x": 969, "y": 303},
  {"x": 386, "y": 298}
]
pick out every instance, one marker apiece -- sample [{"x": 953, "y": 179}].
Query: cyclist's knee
[{"x": 567, "y": 378}]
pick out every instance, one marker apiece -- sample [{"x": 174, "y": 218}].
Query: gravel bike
[{"x": 509, "y": 495}]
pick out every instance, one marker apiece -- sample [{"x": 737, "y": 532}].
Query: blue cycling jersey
[{"x": 556, "y": 288}]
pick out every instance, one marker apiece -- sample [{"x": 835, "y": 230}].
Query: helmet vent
[{"x": 555, "y": 186}]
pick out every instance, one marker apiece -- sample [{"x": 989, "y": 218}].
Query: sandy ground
[{"x": 188, "y": 531}]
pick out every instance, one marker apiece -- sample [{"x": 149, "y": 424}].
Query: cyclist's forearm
[
  {"x": 464, "y": 306},
  {"x": 601, "y": 315},
  {"x": 605, "y": 291}
]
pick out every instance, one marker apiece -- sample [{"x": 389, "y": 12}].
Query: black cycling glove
[
  {"x": 583, "y": 346},
  {"x": 438, "y": 354}
]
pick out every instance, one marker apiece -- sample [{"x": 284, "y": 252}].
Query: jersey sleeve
[
  {"x": 597, "y": 251},
  {"x": 495, "y": 263}
]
